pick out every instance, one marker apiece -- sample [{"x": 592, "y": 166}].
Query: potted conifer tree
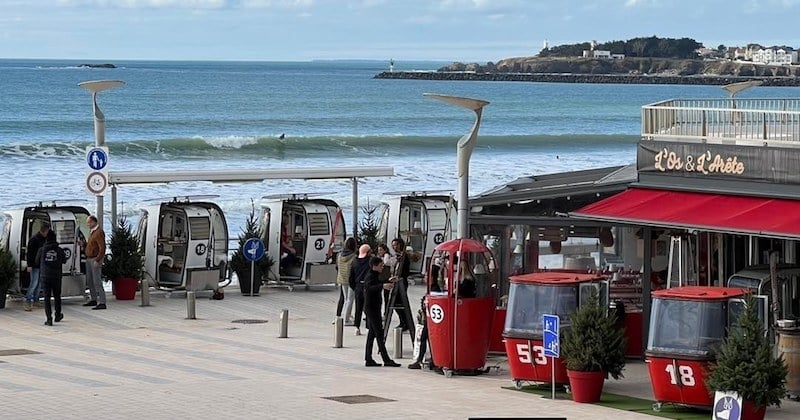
[
  {"x": 240, "y": 265},
  {"x": 746, "y": 365},
  {"x": 8, "y": 272},
  {"x": 592, "y": 347},
  {"x": 125, "y": 265}
]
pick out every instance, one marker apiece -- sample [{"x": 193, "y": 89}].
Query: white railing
[{"x": 753, "y": 121}]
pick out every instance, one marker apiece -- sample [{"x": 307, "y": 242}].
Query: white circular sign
[
  {"x": 96, "y": 183},
  {"x": 436, "y": 313}
]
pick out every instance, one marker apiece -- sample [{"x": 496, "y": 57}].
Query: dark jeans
[
  {"x": 375, "y": 334},
  {"x": 360, "y": 308},
  {"x": 399, "y": 304},
  {"x": 423, "y": 344},
  {"x": 288, "y": 261},
  {"x": 52, "y": 286}
]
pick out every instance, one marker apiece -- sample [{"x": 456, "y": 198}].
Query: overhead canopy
[{"x": 759, "y": 216}]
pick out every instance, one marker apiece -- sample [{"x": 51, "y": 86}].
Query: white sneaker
[{"x": 358, "y": 331}]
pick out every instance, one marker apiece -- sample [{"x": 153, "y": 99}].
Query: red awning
[{"x": 706, "y": 212}]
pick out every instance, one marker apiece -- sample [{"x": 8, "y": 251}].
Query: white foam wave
[{"x": 228, "y": 142}]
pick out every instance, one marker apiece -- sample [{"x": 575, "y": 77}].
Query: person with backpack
[{"x": 50, "y": 258}]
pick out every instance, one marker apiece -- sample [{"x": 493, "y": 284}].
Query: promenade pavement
[{"x": 151, "y": 362}]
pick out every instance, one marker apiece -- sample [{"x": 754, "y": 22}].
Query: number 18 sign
[{"x": 550, "y": 336}]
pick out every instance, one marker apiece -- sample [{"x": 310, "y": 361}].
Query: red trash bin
[
  {"x": 530, "y": 296},
  {"x": 461, "y": 304}
]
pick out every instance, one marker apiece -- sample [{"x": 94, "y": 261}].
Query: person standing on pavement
[
  {"x": 402, "y": 269},
  {"x": 358, "y": 269},
  {"x": 346, "y": 293},
  {"x": 34, "y": 244},
  {"x": 95, "y": 250},
  {"x": 51, "y": 259},
  {"x": 373, "y": 291}
]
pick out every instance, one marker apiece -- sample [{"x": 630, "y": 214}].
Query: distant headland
[
  {"x": 649, "y": 60},
  {"x": 97, "y": 66}
]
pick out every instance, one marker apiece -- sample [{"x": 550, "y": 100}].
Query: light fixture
[
  {"x": 417, "y": 225},
  {"x": 298, "y": 230},
  {"x": 518, "y": 249}
]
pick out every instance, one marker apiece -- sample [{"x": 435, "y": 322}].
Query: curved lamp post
[
  {"x": 94, "y": 87},
  {"x": 465, "y": 147}
]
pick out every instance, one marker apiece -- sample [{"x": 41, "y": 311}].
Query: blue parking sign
[{"x": 550, "y": 342}]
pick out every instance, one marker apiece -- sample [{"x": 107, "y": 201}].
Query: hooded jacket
[
  {"x": 50, "y": 259},
  {"x": 343, "y": 263}
]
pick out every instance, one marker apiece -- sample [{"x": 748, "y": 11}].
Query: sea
[{"x": 198, "y": 115}]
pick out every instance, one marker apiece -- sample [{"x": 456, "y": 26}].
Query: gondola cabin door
[
  {"x": 66, "y": 221},
  {"x": 687, "y": 327},
  {"x": 185, "y": 244},
  {"x": 423, "y": 222},
  {"x": 301, "y": 238},
  {"x": 530, "y": 297}
]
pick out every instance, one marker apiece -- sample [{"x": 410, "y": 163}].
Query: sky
[{"x": 299, "y": 30}]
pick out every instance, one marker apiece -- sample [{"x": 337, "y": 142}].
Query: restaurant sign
[{"x": 703, "y": 160}]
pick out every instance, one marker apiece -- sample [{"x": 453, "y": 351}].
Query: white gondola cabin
[
  {"x": 67, "y": 222},
  {"x": 423, "y": 220},
  {"x": 311, "y": 227},
  {"x": 185, "y": 244}
]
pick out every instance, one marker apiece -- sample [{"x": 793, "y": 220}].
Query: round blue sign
[
  {"x": 97, "y": 158},
  {"x": 727, "y": 408},
  {"x": 253, "y": 249}
]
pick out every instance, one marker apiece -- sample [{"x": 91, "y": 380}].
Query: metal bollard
[
  {"x": 144, "y": 289},
  {"x": 338, "y": 332},
  {"x": 284, "y": 324},
  {"x": 398, "y": 343},
  {"x": 190, "y": 301}
]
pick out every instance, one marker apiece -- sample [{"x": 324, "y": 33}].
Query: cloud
[
  {"x": 421, "y": 20},
  {"x": 636, "y": 3}
]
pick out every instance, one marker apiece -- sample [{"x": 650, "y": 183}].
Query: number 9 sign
[{"x": 436, "y": 313}]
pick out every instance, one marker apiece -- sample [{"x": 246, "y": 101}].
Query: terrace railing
[{"x": 760, "y": 122}]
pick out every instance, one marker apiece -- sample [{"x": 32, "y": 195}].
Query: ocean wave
[{"x": 236, "y": 146}]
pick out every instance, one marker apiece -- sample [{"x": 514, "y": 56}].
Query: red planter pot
[
  {"x": 751, "y": 412},
  {"x": 586, "y": 387},
  {"x": 125, "y": 288}
]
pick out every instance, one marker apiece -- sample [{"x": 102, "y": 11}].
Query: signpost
[
  {"x": 97, "y": 170},
  {"x": 253, "y": 250},
  {"x": 551, "y": 344}
]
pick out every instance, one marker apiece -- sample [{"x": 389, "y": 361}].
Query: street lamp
[
  {"x": 465, "y": 146},
  {"x": 734, "y": 88},
  {"x": 94, "y": 87}
]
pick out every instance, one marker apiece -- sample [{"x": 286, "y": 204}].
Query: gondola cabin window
[
  {"x": 200, "y": 228},
  {"x": 535, "y": 300},
  {"x": 318, "y": 224},
  {"x": 690, "y": 327}
]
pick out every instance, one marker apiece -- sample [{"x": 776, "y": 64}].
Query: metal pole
[
  {"x": 398, "y": 343},
  {"x": 190, "y": 302},
  {"x": 355, "y": 207},
  {"x": 144, "y": 288},
  {"x": 252, "y": 275},
  {"x": 284, "y": 324},
  {"x": 99, "y": 124},
  {"x": 113, "y": 206},
  {"x": 553, "y": 375},
  {"x": 338, "y": 332}
]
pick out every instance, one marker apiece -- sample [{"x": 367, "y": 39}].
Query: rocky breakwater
[{"x": 625, "y": 71}]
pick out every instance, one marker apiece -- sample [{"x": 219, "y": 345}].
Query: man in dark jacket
[
  {"x": 51, "y": 259},
  {"x": 373, "y": 296},
  {"x": 358, "y": 269},
  {"x": 34, "y": 244}
]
